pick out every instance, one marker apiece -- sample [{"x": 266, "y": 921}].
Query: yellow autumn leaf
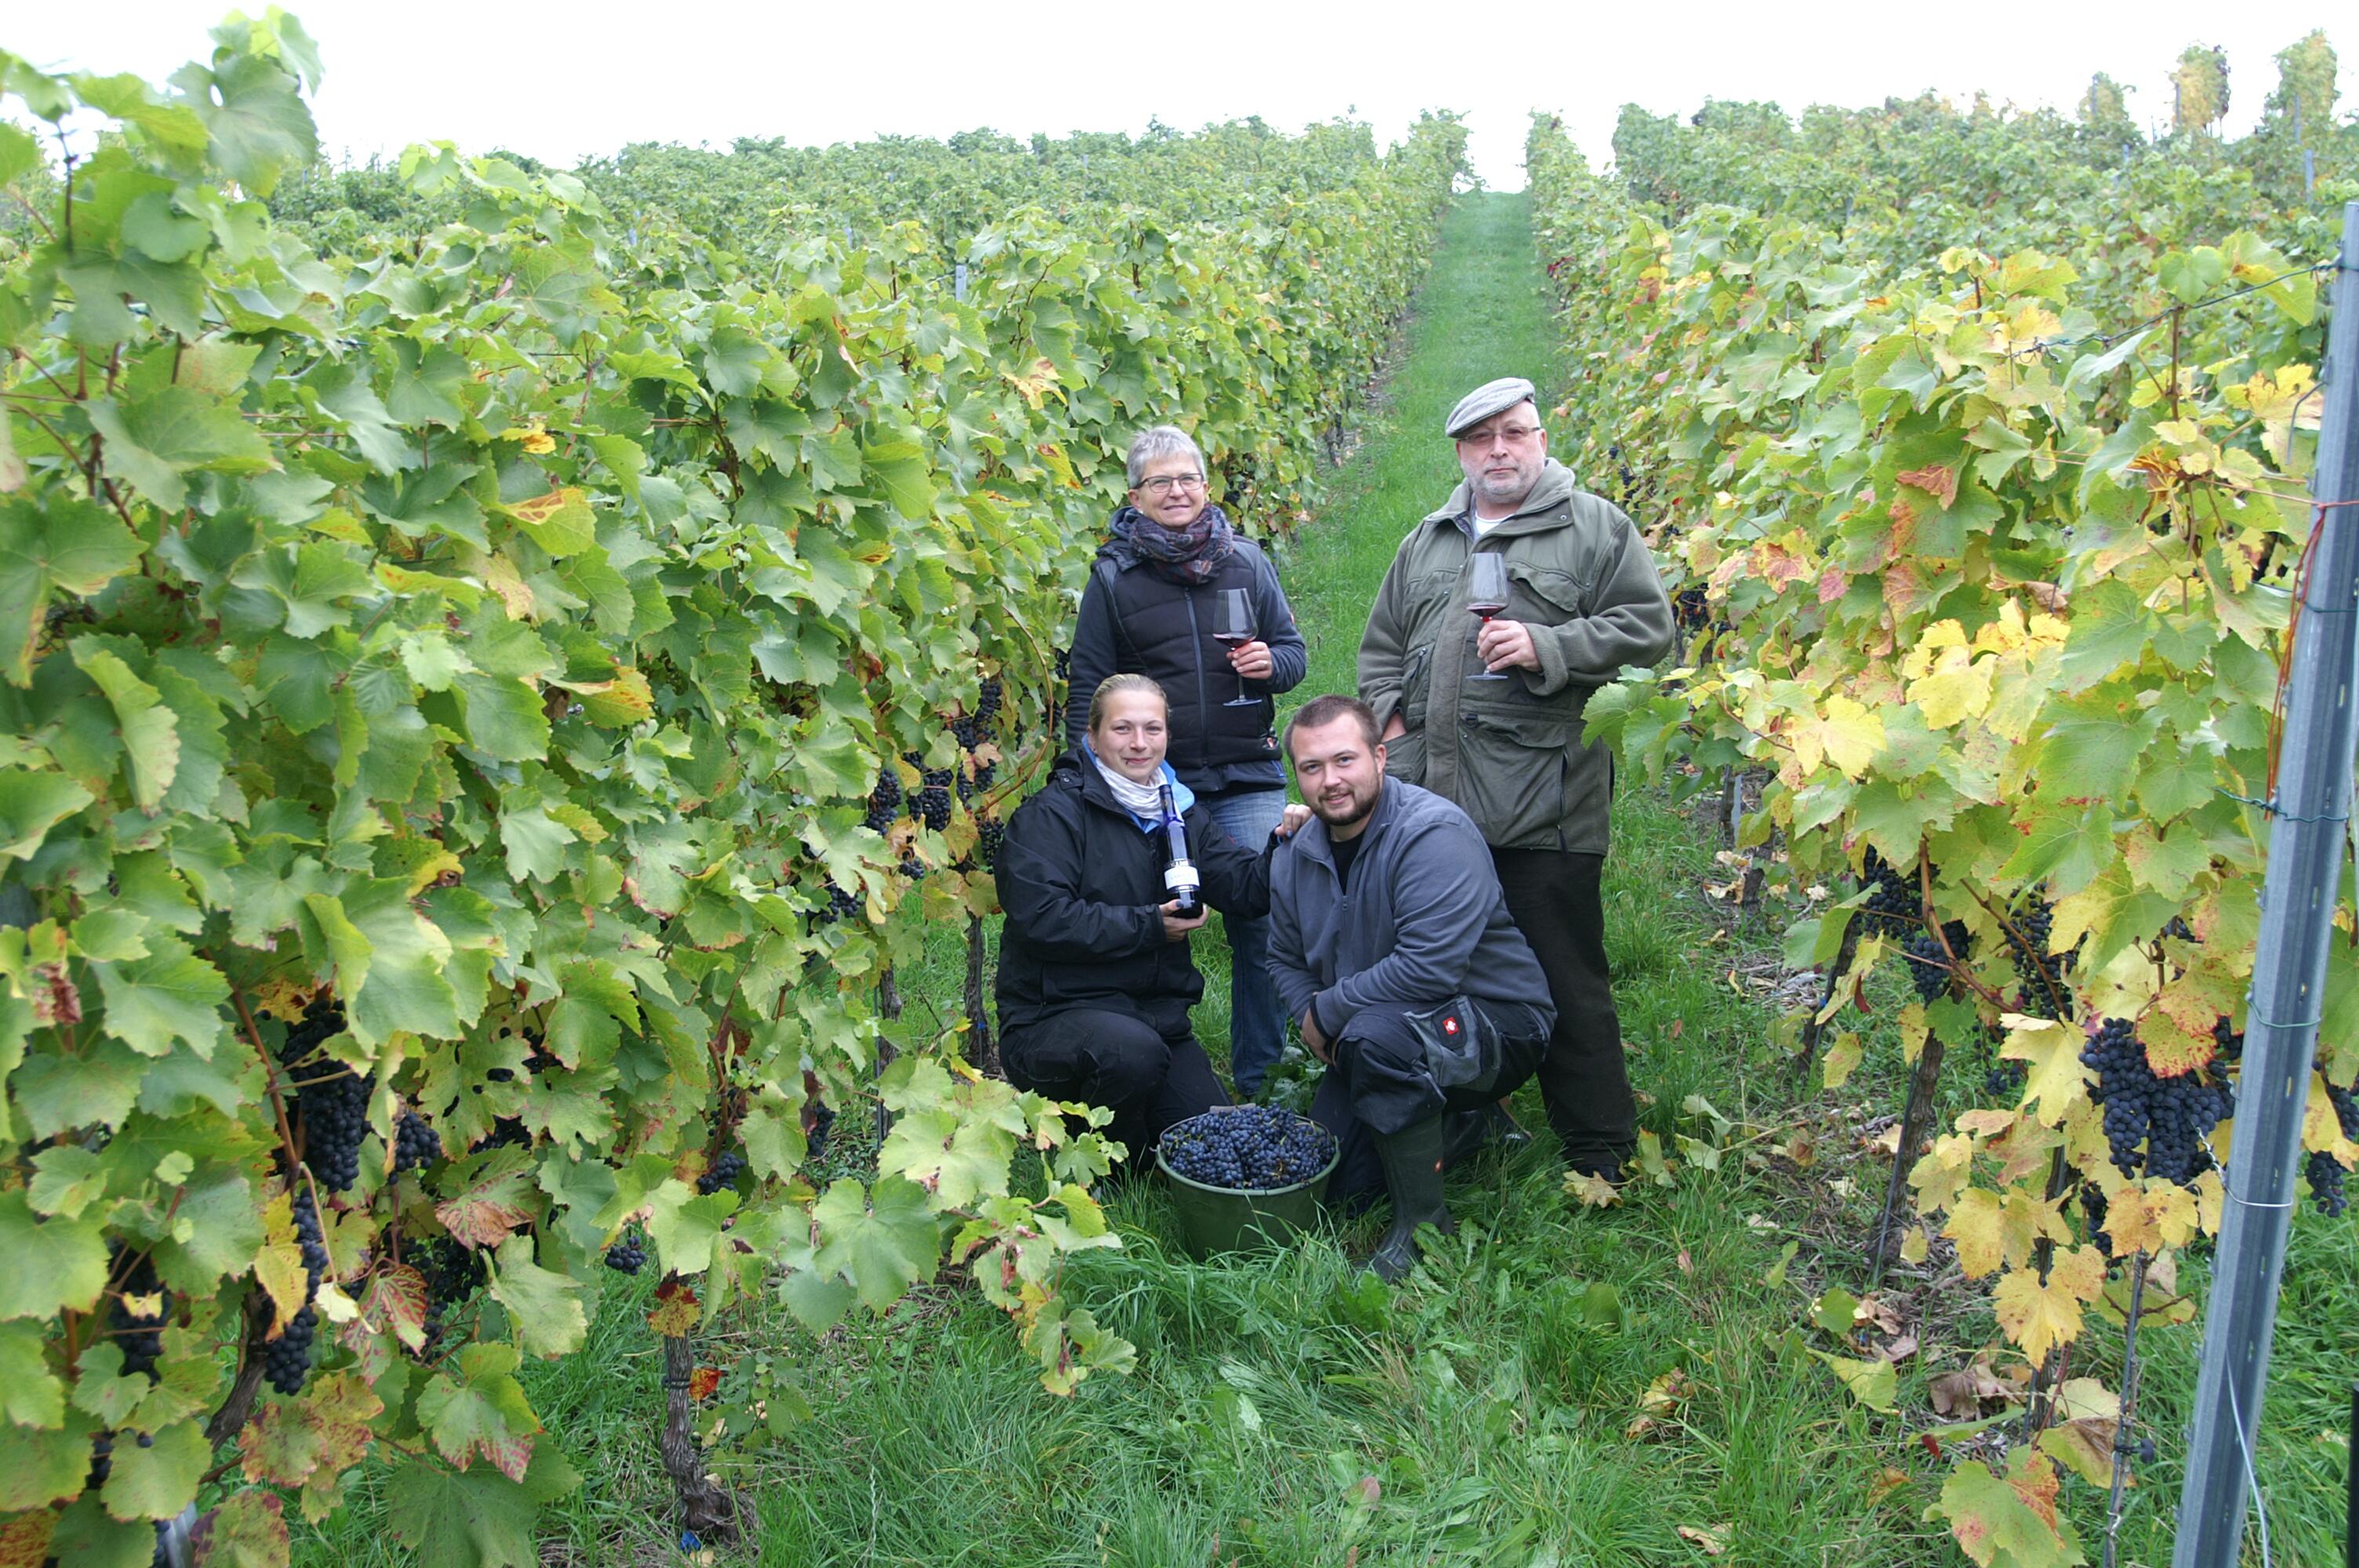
[
  {"x": 1942, "y": 1172},
  {"x": 1847, "y": 734},
  {"x": 1994, "y": 1229},
  {"x": 2042, "y": 1316},
  {"x": 2053, "y": 1075},
  {"x": 1955, "y": 687},
  {"x": 2149, "y": 1217},
  {"x": 2322, "y": 1129}
]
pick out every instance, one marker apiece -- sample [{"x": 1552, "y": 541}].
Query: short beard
[{"x": 1360, "y": 813}]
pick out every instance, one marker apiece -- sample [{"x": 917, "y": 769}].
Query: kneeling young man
[{"x": 1391, "y": 945}]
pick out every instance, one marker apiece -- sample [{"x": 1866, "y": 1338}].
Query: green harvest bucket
[{"x": 1229, "y": 1219}]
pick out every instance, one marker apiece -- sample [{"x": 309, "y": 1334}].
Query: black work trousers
[
  {"x": 1149, "y": 1075},
  {"x": 1381, "y": 1082},
  {"x": 1556, "y": 900}
]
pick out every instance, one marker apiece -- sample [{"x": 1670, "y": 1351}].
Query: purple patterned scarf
[{"x": 1190, "y": 557}]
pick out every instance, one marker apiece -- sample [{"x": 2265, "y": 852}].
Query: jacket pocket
[
  {"x": 1417, "y": 683},
  {"x": 1405, "y": 757},
  {"x": 1543, "y": 596},
  {"x": 1516, "y": 775}
]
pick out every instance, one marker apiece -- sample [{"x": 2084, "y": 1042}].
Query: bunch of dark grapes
[
  {"x": 2171, "y": 1116},
  {"x": 934, "y": 800},
  {"x": 629, "y": 1253},
  {"x": 140, "y": 1336},
  {"x": 451, "y": 1270},
  {"x": 967, "y": 730},
  {"x": 331, "y": 1101},
  {"x": 1928, "y": 960},
  {"x": 415, "y": 1144},
  {"x": 2324, "y": 1171},
  {"x": 287, "y": 1360},
  {"x": 724, "y": 1172},
  {"x": 1064, "y": 665},
  {"x": 102, "y": 1460},
  {"x": 987, "y": 702},
  {"x": 841, "y": 905},
  {"x": 1895, "y": 907},
  {"x": 822, "y": 1122},
  {"x": 2092, "y": 1210},
  {"x": 988, "y": 842},
  {"x": 2001, "y": 1077},
  {"x": 885, "y": 800},
  {"x": 1253, "y": 1147},
  {"x": 985, "y": 775},
  {"x": 1689, "y": 611},
  {"x": 2042, "y": 972}
]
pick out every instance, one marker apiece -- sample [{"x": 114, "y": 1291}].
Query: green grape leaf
[
  {"x": 149, "y": 731},
  {"x": 31, "y": 1394},
  {"x": 474, "y": 1519},
  {"x": 154, "y": 441},
  {"x": 257, "y": 123},
  {"x": 544, "y": 1307},
  {"x": 158, "y": 1479},
  {"x": 217, "y": 1229},
  {"x": 482, "y": 1411},
  {"x": 170, "y": 994},
  {"x": 56, "y": 1264},
  {"x": 31, "y": 804},
  {"x": 57, "y": 543},
  {"x": 882, "y": 1245}
]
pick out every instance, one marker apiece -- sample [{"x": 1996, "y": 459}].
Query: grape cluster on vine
[
  {"x": 139, "y": 1335},
  {"x": 726, "y": 1168},
  {"x": 331, "y": 1100},
  {"x": 629, "y": 1253},
  {"x": 1251, "y": 1147},
  {"x": 2040, "y": 970},
  {"x": 415, "y": 1144},
  {"x": 840, "y": 906},
  {"x": 2323, "y": 1171},
  {"x": 287, "y": 1360},
  {"x": 1930, "y": 967},
  {"x": 885, "y": 800},
  {"x": 2172, "y": 1116},
  {"x": 1895, "y": 907}
]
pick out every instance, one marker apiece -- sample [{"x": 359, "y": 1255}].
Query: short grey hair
[{"x": 1160, "y": 441}]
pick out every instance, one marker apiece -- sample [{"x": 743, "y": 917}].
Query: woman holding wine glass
[
  {"x": 1178, "y": 595},
  {"x": 1105, "y": 872}
]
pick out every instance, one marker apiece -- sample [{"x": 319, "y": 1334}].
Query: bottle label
[{"x": 1181, "y": 878}]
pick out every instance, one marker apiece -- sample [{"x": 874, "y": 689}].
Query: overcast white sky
[{"x": 559, "y": 82}]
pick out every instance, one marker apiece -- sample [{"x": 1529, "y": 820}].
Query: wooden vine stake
[{"x": 2129, "y": 1410}]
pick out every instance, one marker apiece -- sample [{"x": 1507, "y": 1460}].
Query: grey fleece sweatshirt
[{"x": 1423, "y": 920}]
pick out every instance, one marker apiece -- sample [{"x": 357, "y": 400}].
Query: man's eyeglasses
[
  {"x": 1514, "y": 434},
  {"x": 1165, "y": 484}
]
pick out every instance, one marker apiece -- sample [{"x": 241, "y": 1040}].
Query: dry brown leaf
[
  {"x": 1714, "y": 1538},
  {"x": 1898, "y": 1349}
]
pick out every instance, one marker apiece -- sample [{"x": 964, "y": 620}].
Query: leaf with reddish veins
[
  {"x": 1937, "y": 480},
  {"x": 397, "y": 1299},
  {"x": 249, "y": 1530}
]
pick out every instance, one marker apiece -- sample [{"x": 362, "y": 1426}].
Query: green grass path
[{"x": 1283, "y": 1414}]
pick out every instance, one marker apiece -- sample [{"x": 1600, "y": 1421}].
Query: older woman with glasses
[{"x": 1177, "y": 595}]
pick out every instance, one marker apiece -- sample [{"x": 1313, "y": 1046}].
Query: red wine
[
  {"x": 1487, "y": 610},
  {"x": 1232, "y": 636}
]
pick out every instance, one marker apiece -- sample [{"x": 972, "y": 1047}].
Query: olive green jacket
[{"x": 1509, "y": 751}]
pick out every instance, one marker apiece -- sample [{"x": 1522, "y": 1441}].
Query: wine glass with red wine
[
  {"x": 1486, "y": 594},
  {"x": 1233, "y": 625}
]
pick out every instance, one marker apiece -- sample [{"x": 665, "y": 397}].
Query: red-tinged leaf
[
  {"x": 247, "y": 1531},
  {"x": 489, "y": 1209},
  {"x": 2008, "y": 1521},
  {"x": 317, "y": 1436},
  {"x": 25, "y": 1540},
  {"x": 396, "y": 1301},
  {"x": 478, "y": 1409},
  {"x": 702, "y": 1382},
  {"x": 1937, "y": 480},
  {"x": 678, "y": 1312}
]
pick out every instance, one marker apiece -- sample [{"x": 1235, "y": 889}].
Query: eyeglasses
[
  {"x": 1514, "y": 434},
  {"x": 1165, "y": 484}
]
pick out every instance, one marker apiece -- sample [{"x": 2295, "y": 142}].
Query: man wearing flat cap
[{"x": 1487, "y": 712}]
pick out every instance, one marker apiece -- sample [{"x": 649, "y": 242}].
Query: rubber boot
[
  {"x": 1412, "y": 1162},
  {"x": 1468, "y": 1132}
]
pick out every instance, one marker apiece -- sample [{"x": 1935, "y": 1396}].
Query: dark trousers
[
  {"x": 1148, "y": 1074},
  {"x": 1380, "y": 1082},
  {"x": 1556, "y": 901}
]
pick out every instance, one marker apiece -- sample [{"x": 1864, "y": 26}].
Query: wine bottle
[{"x": 1180, "y": 878}]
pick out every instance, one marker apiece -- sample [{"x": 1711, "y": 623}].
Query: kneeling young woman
[{"x": 1096, "y": 979}]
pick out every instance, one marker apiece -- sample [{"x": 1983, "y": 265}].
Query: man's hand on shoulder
[{"x": 1506, "y": 645}]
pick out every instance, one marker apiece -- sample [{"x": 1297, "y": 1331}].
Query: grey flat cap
[{"x": 1491, "y": 397}]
